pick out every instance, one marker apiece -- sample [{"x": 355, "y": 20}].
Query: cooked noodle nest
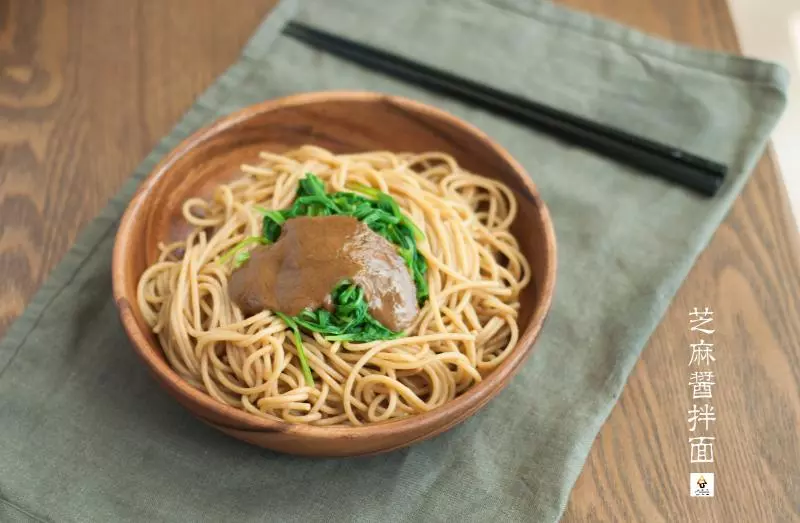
[{"x": 467, "y": 327}]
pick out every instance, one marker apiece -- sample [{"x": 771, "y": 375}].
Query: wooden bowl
[{"x": 342, "y": 122}]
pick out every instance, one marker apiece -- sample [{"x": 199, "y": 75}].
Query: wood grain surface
[{"x": 88, "y": 87}]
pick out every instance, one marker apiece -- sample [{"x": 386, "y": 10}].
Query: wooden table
[{"x": 88, "y": 88}]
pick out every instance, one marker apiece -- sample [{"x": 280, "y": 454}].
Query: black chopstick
[{"x": 684, "y": 168}]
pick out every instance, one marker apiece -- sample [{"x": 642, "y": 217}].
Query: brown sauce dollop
[{"x": 311, "y": 257}]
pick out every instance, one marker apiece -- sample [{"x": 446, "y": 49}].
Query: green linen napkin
[{"x": 87, "y": 435}]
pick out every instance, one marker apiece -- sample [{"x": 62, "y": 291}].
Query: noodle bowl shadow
[{"x": 343, "y": 122}]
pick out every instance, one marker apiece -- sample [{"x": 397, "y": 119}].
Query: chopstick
[{"x": 694, "y": 172}]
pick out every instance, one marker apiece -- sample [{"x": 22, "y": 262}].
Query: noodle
[{"x": 466, "y": 328}]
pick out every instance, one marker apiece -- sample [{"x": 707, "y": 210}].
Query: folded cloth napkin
[{"x": 87, "y": 435}]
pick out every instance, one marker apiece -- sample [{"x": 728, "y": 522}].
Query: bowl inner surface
[{"x": 342, "y": 125}]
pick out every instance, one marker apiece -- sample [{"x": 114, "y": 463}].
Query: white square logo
[{"x": 701, "y": 484}]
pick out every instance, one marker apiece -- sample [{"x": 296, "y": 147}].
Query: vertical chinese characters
[
  {"x": 702, "y": 415},
  {"x": 702, "y": 449},
  {"x": 701, "y": 383}
]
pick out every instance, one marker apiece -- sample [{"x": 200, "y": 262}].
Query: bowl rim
[{"x": 445, "y": 415}]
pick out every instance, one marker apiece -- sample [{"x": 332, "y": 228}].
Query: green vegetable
[
  {"x": 238, "y": 254},
  {"x": 298, "y": 343},
  {"x": 350, "y": 319}
]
